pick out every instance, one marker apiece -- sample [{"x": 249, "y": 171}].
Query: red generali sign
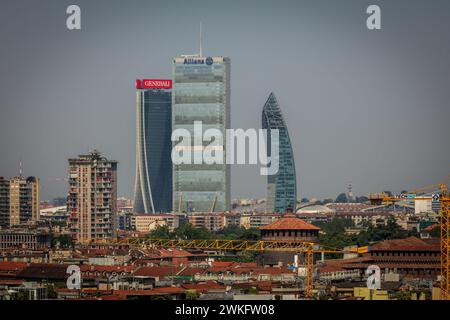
[{"x": 153, "y": 84}]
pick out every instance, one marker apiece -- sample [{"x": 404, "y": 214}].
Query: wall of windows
[{"x": 201, "y": 92}]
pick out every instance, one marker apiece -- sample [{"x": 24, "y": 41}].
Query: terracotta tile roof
[
  {"x": 101, "y": 268},
  {"x": 289, "y": 222},
  {"x": 10, "y": 266},
  {"x": 407, "y": 244},
  {"x": 244, "y": 265},
  {"x": 393, "y": 265},
  {"x": 191, "y": 271},
  {"x": 257, "y": 284},
  {"x": 44, "y": 271},
  {"x": 10, "y": 282},
  {"x": 222, "y": 263},
  {"x": 204, "y": 286},
  {"x": 112, "y": 297},
  {"x": 156, "y": 271},
  {"x": 331, "y": 268}
]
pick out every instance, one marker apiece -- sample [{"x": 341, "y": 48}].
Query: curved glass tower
[
  {"x": 281, "y": 187},
  {"x": 153, "y": 184}
]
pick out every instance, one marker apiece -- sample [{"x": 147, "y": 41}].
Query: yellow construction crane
[
  {"x": 308, "y": 248},
  {"x": 443, "y": 197}
]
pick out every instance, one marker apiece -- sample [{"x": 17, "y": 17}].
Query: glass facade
[
  {"x": 153, "y": 187},
  {"x": 281, "y": 187},
  {"x": 201, "y": 92}
]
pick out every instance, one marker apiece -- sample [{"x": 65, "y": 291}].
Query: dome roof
[{"x": 315, "y": 208}]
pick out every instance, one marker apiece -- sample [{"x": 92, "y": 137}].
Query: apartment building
[{"x": 91, "y": 202}]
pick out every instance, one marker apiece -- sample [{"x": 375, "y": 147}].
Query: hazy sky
[{"x": 367, "y": 107}]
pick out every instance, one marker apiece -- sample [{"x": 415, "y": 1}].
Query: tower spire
[{"x": 20, "y": 168}]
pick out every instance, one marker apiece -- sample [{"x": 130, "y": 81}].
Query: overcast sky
[{"x": 367, "y": 107}]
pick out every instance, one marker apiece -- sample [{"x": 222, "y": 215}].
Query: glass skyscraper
[
  {"x": 282, "y": 186},
  {"x": 201, "y": 92},
  {"x": 153, "y": 184}
]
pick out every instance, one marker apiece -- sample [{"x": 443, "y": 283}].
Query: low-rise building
[
  {"x": 149, "y": 222},
  {"x": 22, "y": 238}
]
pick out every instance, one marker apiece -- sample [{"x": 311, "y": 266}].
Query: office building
[
  {"x": 282, "y": 186},
  {"x": 91, "y": 202},
  {"x": 19, "y": 200},
  {"x": 149, "y": 222},
  {"x": 201, "y": 92},
  {"x": 153, "y": 183}
]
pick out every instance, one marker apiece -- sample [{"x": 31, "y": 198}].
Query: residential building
[
  {"x": 19, "y": 201},
  {"x": 91, "y": 202}
]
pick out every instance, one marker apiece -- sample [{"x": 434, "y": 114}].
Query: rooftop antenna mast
[
  {"x": 20, "y": 168},
  {"x": 201, "y": 40},
  {"x": 199, "y": 54}
]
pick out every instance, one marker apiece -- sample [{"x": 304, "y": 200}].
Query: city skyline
[{"x": 379, "y": 136}]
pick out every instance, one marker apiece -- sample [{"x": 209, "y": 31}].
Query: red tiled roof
[
  {"x": 265, "y": 285},
  {"x": 222, "y": 263},
  {"x": 191, "y": 271},
  {"x": 44, "y": 271},
  {"x": 112, "y": 297},
  {"x": 101, "y": 268},
  {"x": 7, "y": 282},
  {"x": 156, "y": 271},
  {"x": 233, "y": 264},
  {"x": 11, "y": 266},
  {"x": 331, "y": 268},
  {"x": 289, "y": 222},
  {"x": 244, "y": 265},
  {"x": 407, "y": 244},
  {"x": 204, "y": 286}
]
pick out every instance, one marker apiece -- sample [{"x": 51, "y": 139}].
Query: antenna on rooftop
[
  {"x": 201, "y": 40},
  {"x": 20, "y": 168}
]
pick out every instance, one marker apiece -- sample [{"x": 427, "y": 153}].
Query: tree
[
  {"x": 251, "y": 290},
  {"x": 251, "y": 234},
  {"x": 341, "y": 198},
  {"x": 51, "y": 292},
  {"x": 188, "y": 231},
  {"x": 304, "y": 200},
  {"x": 191, "y": 295},
  {"x": 231, "y": 232},
  {"x": 435, "y": 233},
  {"x": 160, "y": 232},
  {"x": 328, "y": 200},
  {"x": 63, "y": 240}
]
